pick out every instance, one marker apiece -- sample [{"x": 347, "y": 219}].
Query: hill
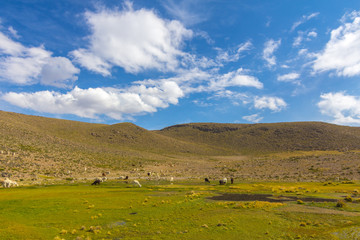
[
  {"x": 54, "y": 147},
  {"x": 45, "y": 149},
  {"x": 269, "y": 137}
]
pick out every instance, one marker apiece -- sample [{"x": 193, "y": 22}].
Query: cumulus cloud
[
  {"x": 255, "y": 118},
  {"x": 342, "y": 53},
  {"x": 135, "y": 40},
  {"x": 10, "y": 47},
  {"x": 312, "y": 34},
  {"x": 343, "y": 108},
  {"x": 304, "y": 19},
  {"x": 91, "y": 103},
  {"x": 59, "y": 72},
  {"x": 29, "y": 65},
  {"x": 273, "y": 103},
  {"x": 237, "y": 78},
  {"x": 290, "y": 77},
  {"x": 268, "y": 53}
]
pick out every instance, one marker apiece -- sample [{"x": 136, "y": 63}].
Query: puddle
[{"x": 267, "y": 198}]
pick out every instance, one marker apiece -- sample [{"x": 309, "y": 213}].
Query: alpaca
[{"x": 137, "y": 183}]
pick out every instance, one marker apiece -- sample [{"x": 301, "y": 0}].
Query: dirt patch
[{"x": 267, "y": 198}]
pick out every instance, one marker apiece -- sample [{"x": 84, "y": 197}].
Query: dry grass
[{"x": 41, "y": 148}]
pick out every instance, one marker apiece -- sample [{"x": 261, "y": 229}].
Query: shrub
[
  {"x": 348, "y": 199},
  {"x": 340, "y": 204}
]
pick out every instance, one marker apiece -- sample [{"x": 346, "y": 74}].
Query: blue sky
[{"x": 166, "y": 62}]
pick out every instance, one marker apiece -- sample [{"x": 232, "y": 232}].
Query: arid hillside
[
  {"x": 36, "y": 148},
  {"x": 53, "y": 147},
  {"x": 269, "y": 137}
]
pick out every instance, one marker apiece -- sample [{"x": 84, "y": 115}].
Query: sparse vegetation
[
  {"x": 340, "y": 204},
  {"x": 32, "y": 146}
]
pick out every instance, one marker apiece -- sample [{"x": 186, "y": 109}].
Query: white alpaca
[
  {"x": 14, "y": 184},
  {"x": 7, "y": 183},
  {"x": 137, "y": 183},
  {"x": 223, "y": 181},
  {"x": 101, "y": 179}
]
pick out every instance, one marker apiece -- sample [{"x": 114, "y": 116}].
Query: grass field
[{"x": 183, "y": 210}]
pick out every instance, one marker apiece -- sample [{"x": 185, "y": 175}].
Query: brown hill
[
  {"x": 268, "y": 137},
  {"x": 38, "y": 145},
  {"x": 34, "y": 147}
]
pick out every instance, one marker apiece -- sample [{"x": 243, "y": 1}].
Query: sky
[{"x": 165, "y": 62}]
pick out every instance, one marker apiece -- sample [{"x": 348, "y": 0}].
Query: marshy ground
[{"x": 183, "y": 210}]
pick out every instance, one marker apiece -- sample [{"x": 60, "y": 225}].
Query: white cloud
[
  {"x": 8, "y": 46},
  {"x": 13, "y": 32},
  {"x": 304, "y": 19},
  {"x": 59, "y": 72},
  {"x": 303, "y": 51},
  {"x": 91, "y": 61},
  {"x": 312, "y": 34},
  {"x": 342, "y": 52},
  {"x": 236, "y": 98},
  {"x": 269, "y": 48},
  {"x": 202, "y": 103},
  {"x": 298, "y": 40},
  {"x": 226, "y": 56},
  {"x": 205, "y": 36},
  {"x": 135, "y": 40},
  {"x": 307, "y": 36},
  {"x": 197, "y": 80},
  {"x": 343, "y": 108},
  {"x": 28, "y": 65},
  {"x": 255, "y": 118},
  {"x": 90, "y": 103},
  {"x": 290, "y": 77},
  {"x": 237, "y": 78},
  {"x": 186, "y": 11},
  {"x": 273, "y": 103}
]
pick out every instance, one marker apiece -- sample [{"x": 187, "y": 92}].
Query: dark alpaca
[
  {"x": 207, "y": 180},
  {"x": 232, "y": 180},
  {"x": 96, "y": 182}
]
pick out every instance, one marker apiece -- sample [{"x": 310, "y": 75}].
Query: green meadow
[{"x": 183, "y": 210}]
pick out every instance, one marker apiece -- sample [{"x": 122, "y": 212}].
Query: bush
[
  {"x": 348, "y": 199},
  {"x": 340, "y": 204}
]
